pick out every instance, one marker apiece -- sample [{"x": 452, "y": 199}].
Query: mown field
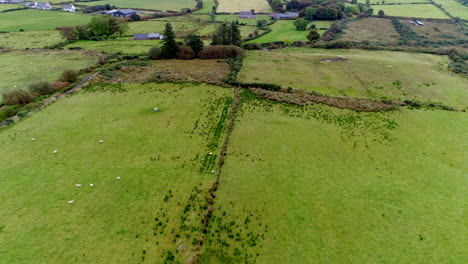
[
  {"x": 163, "y": 5},
  {"x": 284, "y": 30},
  {"x": 162, "y": 160},
  {"x": 252, "y": 22},
  {"x": 30, "y": 39},
  {"x": 235, "y": 6},
  {"x": 18, "y": 69},
  {"x": 4, "y": 7},
  {"x": 423, "y": 11},
  {"x": 454, "y": 8},
  {"x": 372, "y": 74},
  {"x": 320, "y": 185},
  {"x": 39, "y": 20},
  {"x": 374, "y": 30}
]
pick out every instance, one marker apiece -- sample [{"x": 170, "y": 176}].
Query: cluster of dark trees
[
  {"x": 227, "y": 34},
  {"x": 99, "y": 28},
  {"x": 97, "y": 8}
]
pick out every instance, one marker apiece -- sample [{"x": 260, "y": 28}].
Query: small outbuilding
[
  {"x": 247, "y": 15},
  {"x": 69, "y": 8},
  {"x": 148, "y": 36},
  {"x": 124, "y": 13},
  {"x": 288, "y": 15}
]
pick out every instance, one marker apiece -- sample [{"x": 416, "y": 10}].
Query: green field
[
  {"x": 320, "y": 185},
  {"x": 423, "y": 11},
  {"x": 371, "y": 74},
  {"x": 164, "y": 5},
  {"x": 154, "y": 154},
  {"x": 39, "y": 20},
  {"x": 235, "y": 6},
  {"x": 252, "y": 22},
  {"x": 284, "y": 30},
  {"x": 376, "y": 2},
  {"x": 18, "y": 69},
  {"x": 454, "y": 8},
  {"x": 30, "y": 39},
  {"x": 4, "y": 7},
  {"x": 122, "y": 45},
  {"x": 374, "y": 30}
]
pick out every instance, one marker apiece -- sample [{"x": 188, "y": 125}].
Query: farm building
[
  {"x": 69, "y": 8},
  {"x": 148, "y": 36},
  {"x": 39, "y": 5},
  {"x": 419, "y": 23},
  {"x": 124, "y": 13},
  {"x": 10, "y": 2},
  {"x": 110, "y": 12},
  {"x": 248, "y": 15},
  {"x": 289, "y": 15}
]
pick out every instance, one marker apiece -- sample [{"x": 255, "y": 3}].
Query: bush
[
  {"x": 252, "y": 46},
  {"x": 60, "y": 85},
  {"x": 9, "y": 111},
  {"x": 41, "y": 88},
  {"x": 17, "y": 97},
  {"x": 69, "y": 76},
  {"x": 185, "y": 53},
  {"x": 135, "y": 17},
  {"x": 339, "y": 44},
  {"x": 154, "y": 53},
  {"x": 221, "y": 52},
  {"x": 102, "y": 60}
]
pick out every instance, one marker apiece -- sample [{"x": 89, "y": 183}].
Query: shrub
[
  {"x": 339, "y": 44},
  {"x": 69, "y": 76},
  {"x": 17, "y": 97},
  {"x": 41, "y": 88},
  {"x": 135, "y": 17},
  {"x": 221, "y": 52},
  {"x": 185, "y": 53},
  {"x": 9, "y": 111},
  {"x": 60, "y": 85},
  {"x": 381, "y": 13},
  {"x": 252, "y": 46},
  {"x": 154, "y": 53},
  {"x": 102, "y": 60}
]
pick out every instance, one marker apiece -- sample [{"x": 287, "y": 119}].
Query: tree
[
  {"x": 135, "y": 17},
  {"x": 194, "y": 42},
  {"x": 310, "y": 13},
  {"x": 68, "y": 33},
  {"x": 169, "y": 48},
  {"x": 352, "y": 10},
  {"x": 154, "y": 53},
  {"x": 227, "y": 34},
  {"x": 370, "y": 11},
  {"x": 381, "y": 13},
  {"x": 185, "y": 53},
  {"x": 261, "y": 23},
  {"x": 301, "y": 24},
  {"x": 236, "y": 37},
  {"x": 101, "y": 27},
  {"x": 313, "y": 35}
]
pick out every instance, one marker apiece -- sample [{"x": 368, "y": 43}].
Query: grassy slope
[
  {"x": 235, "y": 6},
  {"x": 4, "y": 7},
  {"x": 164, "y": 5},
  {"x": 286, "y": 31},
  {"x": 36, "y": 20},
  {"x": 424, "y": 11},
  {"x": 378, "y": 30},
  {"x": 366, "y": 74},
  {"x": 113, "y": 221},
  {"x": 454, "y": 8},
  {"x": 320, "y": 192},
  {"x": 122, "y": 45},
  {"x": 30, "y": 39},
  {"x": 20, "y": 68}
]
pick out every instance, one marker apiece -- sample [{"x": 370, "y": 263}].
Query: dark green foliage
[
  {"x": 194, "y": 42},
  {"x": 17, "y": 97},
  {"x": 154, "y": 53},
  {"x": 313, "y": 35},
  {"x": 69, "y": 76},
  {"x": 41, "y": 88},
  {"x": 339, "y": 44},
  {"x": 169, "y": 48},
  {"x": 185, "y": 53},
  {"x": 9, "y": 111},
  {"x": 407, "y": 35},
  {"x": 381, "y": 13},
  {"x": 252, "y": 46},
  {"x": 135, "y": 17},
  {"x": 101, "y": 27},
  {"x": 301, "y": 24},
  {"x": 221, "y": 52},
  {"x": 227, "y": 34}
]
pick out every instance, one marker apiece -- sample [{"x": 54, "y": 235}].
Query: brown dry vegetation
[{"x": 373, "y": 29}]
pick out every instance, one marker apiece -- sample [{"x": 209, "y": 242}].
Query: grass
[
  {"x": 39, "y": 20},
  {"x": 120, "y": 45},
  {"x": 207, "y": 7},
  {"x": 181, "y": 28},
  {"x": 20, "y": 68},
  {"x": 163, "y": 5},
  {"x": 4, "y": 7},
  {"x": 30, "y": 39},
  {"x": 313, "y": 189},
  {"x": 410, "y": 76},
  {"x": 454, "y": 8},
  {"x": 377, "y": 30},
  {"x": 439, "y": 31},
  {"x": 284, "y": 30},
  {"x": 422, "y": 11},
  {"x": 235, "y": 6},
  {"x": 377, "y": 2},
  {"x": 251, "y": 22},
  {"x": 158, "y": 157}
]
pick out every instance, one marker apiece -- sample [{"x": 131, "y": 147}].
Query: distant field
[
  {"x": 159, "y": 157},
  {"x": 18, "y": 69},
  {"x": 376, "y": 2},
  {"x": 320, "y": 185},
  {"x": 164, "y": 5},
  {"x": 207, "y": 7},
  {"x": 4, "y": 7},
  {"x": 454, "y": 8},
  {"x": 364, "y": 74},
  {"x": 39, "y": 20},
  {"x": 284, "y": 30},
  {"x": 30, "y": 39},
  {"x": 378, "y": 30},
  {"x": 252, "y": 22},
  {"x": 440, "y": 31},
  {"x": 122, "y": 45},
  {"x": 234, "y": 6},
  {"x": 423, "y": 11}
]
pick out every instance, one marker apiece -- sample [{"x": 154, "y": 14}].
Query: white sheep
[
  {"x": 101, "y": 141},
  {"x": 118, "y": 178},
  {"x": 55, "y": 152},
  {"x": 32, "y": 139},
  {"x": 91, "y": 185},
  {"x": 78, "y": 185},
  {"x": 70, "y": 202}
]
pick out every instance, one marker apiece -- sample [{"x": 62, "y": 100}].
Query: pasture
[
  {"x": 377, "y": 2},
  {"x": 236, "y": 6},
  {"x": 120, "y": 45},
  {"x": 440, "y": 31},
  {"x": 30, "y": 39},
  {"x": 4, "y": 7},
  {"x": 320, "y": 185},
  {"x": 18, "y": 69},
  {"x": 375, "y": 30},
  {"x": 422, "y": 11},
  {"x": 251, "y": 22},
  {"x": 39, "y": 20},
  {"x": 359, "y": 73},
  {"x": 284, "y": 30},
  {"x": 149, "y": 175},
  {"x": 454, "y": 8},
  {"x": 163, "y": 5}
]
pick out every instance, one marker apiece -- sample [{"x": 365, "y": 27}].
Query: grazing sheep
[
  {"x": 155, "y": 109},
  {"x": 70, "y": 202},
  {"x": 118, "y": 178},
  {"x": 55, "y": 152},
  {"x": 32, "y": 139},
  {"x": 212, "y": 171},
  {"x": 78, "y": 185},
  {"x": 101, "y": 141},
  {"x": 211, "y": 153},
  {"x": 91, "y": 185}
]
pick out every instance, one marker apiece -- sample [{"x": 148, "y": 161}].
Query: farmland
[
  {"x": 336, "y": 190},
  {"x": 376, "y": 30},
  {"x": 164, "y": 5},
  {"x": 422, "y": 11},
  {"x": 454, "y": 8},
  {"x": 38, "y": 20},
  {"x": 377, "y": 2},
  {"x": 372, "y": 74},
  {"x": 120, "y": 45},
  {"x": 284, "y": 30},
  {"x": 159, "y": 158},
  {"x": 235, "y": 6},
  {"x": 30, "y": 39},
  {"x": 20, "y": 68},
  {"x": 252, "y": 22},
  {"x": 4, "y": 7}
]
